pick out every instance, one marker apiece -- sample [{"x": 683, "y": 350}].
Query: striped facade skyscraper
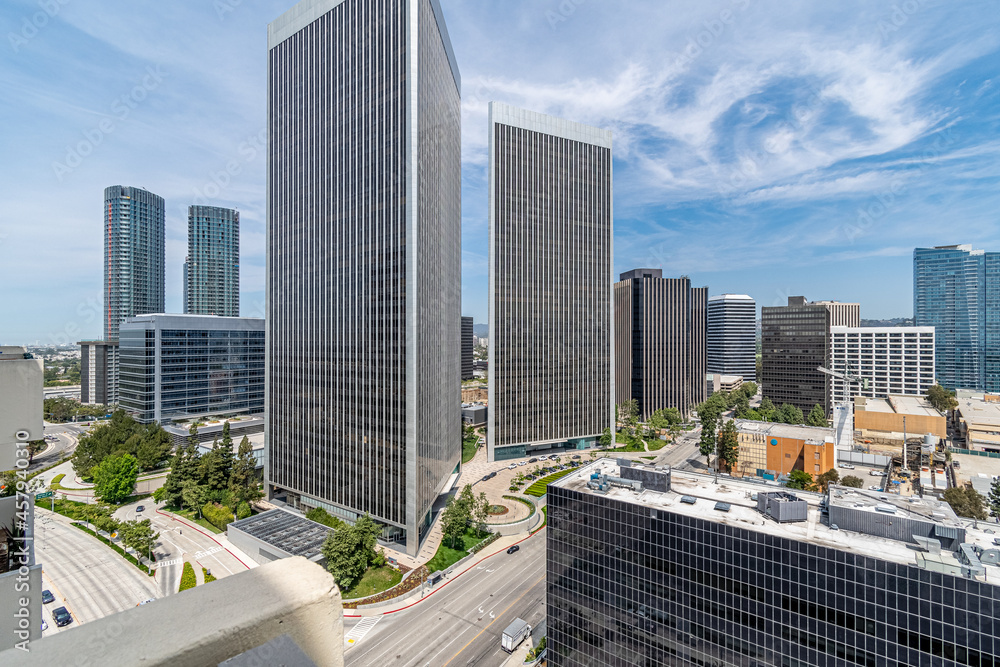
[
  {"x": 732, "y": 336},
  {"x": 212, "y": 268},
  {"x": 364, "y": 260},
  {"x": 551, "y": 340}
]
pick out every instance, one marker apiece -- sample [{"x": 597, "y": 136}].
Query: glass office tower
[
  {"x": 551, "y": 344},
  {"x": 956, "y": 290},
  {"x": 364, "y": 260},
  {"x": 732, "y": 336},
  {"x": 212, "y": 268},
  {"x": 467, "y": 348}
]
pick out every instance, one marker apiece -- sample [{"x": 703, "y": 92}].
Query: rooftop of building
[
  {"x": 731, "y": 297},
  {"x": 733, "y": 502},
  {"x": 978, "y": 411},
  {"x": 916, "y": 406},
  {"x": 291, "y": 533},
  {"x": 882, "y": 330},
  {"x": 13, "y": 352},
  {"x": 192, "y": 321},
  {"x": 235, "y": 423},
  {"x": 796, "y": 431}
]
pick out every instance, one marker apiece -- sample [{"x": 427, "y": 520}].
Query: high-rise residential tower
[
  {"x": 551, "y": 341},
  {"x": 212, "y": 267},
  {"x": 732, "y": 336},
  {"x": 956, "y": 290},
  {"x": 134, "y": 251},
  {"x": 364, "y": 260},
  {"x": 660, "y": 328},
  {"x": 467, "y": 348}
]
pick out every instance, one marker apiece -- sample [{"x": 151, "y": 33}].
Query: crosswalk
[{"x": 363, "y": 627}]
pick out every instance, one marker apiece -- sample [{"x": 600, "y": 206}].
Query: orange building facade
[{"x": 769, "y": 450}]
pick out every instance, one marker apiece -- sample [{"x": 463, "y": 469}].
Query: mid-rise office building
[
  {"x": 956, "y": 290},
  {"x": 550, "y": 226},
  {"x": 176, "y": 367},
  {"x": 662, "y": 567},
  {"x": 795, "y": 343},
  {"x": 364, "y": 260},
  {"x": 887, "y": 360},
  {"x": 467, "y": 348},
  {"x": 732, "y": 336},
  {"x": 770, "y": 450},
  {"x": 98, "y": 372},
  {"x": 660, "y": 331},
  {"x": 212, "y": 268},
  {"x": 22, "y": 377},
  {"x": 134, "y": 283}
]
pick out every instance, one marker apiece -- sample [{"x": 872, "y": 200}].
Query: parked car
[
  {"x": 532, "y": 460},
  {"x": 847, "y": 466},
  {"x": 47, "y": 596},
  {"x": 140, "y": 508},
  {"x": 874, "y": 488},
  {"x": 513, "y": 549},
  {"x": 575, "y": 457},
  {"x": 491, "y": 475},
  {"x": 45, "y": 626},
  {"x": 956, "y": 464},
  {"x": 877, "y": 473},
  {"x": 485, "y": 478},
  {"x": 62, "y": 616},
  {"x": 145, "y": 602},
  {"x": 543, "y": 457},
  {"x": 523, "y": 463},
  {"x": 511, "y": 466}
]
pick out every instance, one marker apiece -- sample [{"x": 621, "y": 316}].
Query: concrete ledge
[{"x": 209, "y": 624}]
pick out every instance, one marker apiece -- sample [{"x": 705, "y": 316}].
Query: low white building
[{"x": 889, "y": 360}]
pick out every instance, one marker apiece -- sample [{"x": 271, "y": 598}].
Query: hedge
[
  {"x": 217, "y": 515},
  {"x": 485, "y": 543},
  {"x": 243, "y": 510},
  {"x": 188, "y": 578},
  {"x": 129, "y": 557}
]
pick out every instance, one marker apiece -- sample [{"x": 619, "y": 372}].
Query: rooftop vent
[
  {"x": 723, "y": 507},
  {"x": 689, "y": 500}
]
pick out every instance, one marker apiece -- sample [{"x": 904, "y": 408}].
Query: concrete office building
[
  {"x": 467, "y": 348},
  {"x": 660, "y": 330},
  {"x": 889, "y": 360},
  {"x": 176, "y": 367},
  {"x": 795, "y": 342},
  {"x": 956, "y": 290},
  {"x": 978, "y": 424},
  {"x": 732, "y": 336},
  {"x": 21, "y": 380},
  {"x": 364, "y": 260},
  {"x": 212, "y": 268},
  {"x": 653, "y": 567},
  {"x": 770, "y": 450},
  {"x": 134, "y": 249},
  {"x": 551, "y": 341}
]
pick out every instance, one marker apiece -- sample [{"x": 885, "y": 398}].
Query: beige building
[
  {"x": 978, "y": 421},
  {"x": 21, "y": 380},
  {"x": 884, "y": 420},
  {"x": 726, "y": 383}
]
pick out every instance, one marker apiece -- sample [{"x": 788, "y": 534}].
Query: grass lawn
[
  {"x": 54, "y": 484},
  {"x": 655, "y": 444},
  {"x": 375, "y": 580},
  {"x": 537, "y": 489},
  {"x": 445, "y": 556},
  {"x": 469, "y": 448},
  {"x": 192, "y": 516},
  {"x": 70, "y": 508},
  {"x": 648, "y": 458}
]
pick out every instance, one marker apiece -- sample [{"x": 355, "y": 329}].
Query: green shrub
[
  {"x": 188, "y": 578},
  {"x": 208, "y": 575},
  {"x": 243, "y": 511},
  {"x": 320, "y": 515},
  {"x": 217, "y": 515}
]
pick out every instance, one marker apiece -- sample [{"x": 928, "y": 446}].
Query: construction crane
[{"x": 844, "y": 421}]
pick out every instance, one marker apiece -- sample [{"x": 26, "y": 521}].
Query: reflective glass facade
[
  {"x": 956, "y": 290},
  {"x": 630, "y": 584},
  {"x": 364, "y": 258},
  {"x": 181, "y": 366},
  {"x": 732, "y": 336},
  {"x": 550, "y": 365},
  {"x": 212, "y": 269}
]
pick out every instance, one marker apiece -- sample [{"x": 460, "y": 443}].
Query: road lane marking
[{"x": 362, "y": 628}]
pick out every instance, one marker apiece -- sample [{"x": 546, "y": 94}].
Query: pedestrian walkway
[{"x": 359, "y": 631}]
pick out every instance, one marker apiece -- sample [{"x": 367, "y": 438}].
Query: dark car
[
  {"x": 140, "y": 508},
  {"x": 513, "y": 549},
  {"x": 47, "y": 596},
  {"x": 575, "y": 457},
  {"x": 492, "y": 475},
  {"x": 532, "y": 460},
  {"x": 485, "y": 478},
  {"x": 62, "y": 616}
]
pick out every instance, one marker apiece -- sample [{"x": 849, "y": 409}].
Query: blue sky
[{"x": 774, "y": 148}]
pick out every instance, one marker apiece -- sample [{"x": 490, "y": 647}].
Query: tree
[
  {"x": 344, "y": 560},
  {"x": 852, "y": 481},
  {"x": 606, "y": 438},
  {"x": 122, "y": 434},
  {"x": 767, "y": 410},
  {"x": 791, "y": 414},
  {"x": 994, "y": 498},
  {"x": 184, "y": 467},
  {"x": 34, "y": 447},
  {"x": 227, "y": 457},
  {"x": 193, "y": 494},
  {"x": 243, "y": 480},
  {"x": 817, "y": 417},
  {"x": 749, "y": 389},
  {"x": 800, "y": 479},
  {"x": 102, "y": 519},
  {"x": 628, "y": 414},
  {"x": 826, "y": 479},
  {"x": 941, "y": 398},
  {"x": 707, "y": 444},
  {"x": 728, "y": 444},
  {"x": 139, "y": 535},
  {"x": 966, "y": 502},
  {"x": 453, "y": 521},
  {"x": 742, "y": 406},
  {"x": 114, "y": 478},
  {"x": 482, "y": 512}
]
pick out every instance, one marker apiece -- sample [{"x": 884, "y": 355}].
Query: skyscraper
[
  {"x": 550, "y": 345},
  {"x": 212, "y": 268},
  {"x": 134, "y": 249},
  {"x": 660, "y": 328},
  {"x": 956, "y": 290},
  {"x": 732, "y": 336},
  {"x": 364, "y": 260},
  {"x": 467, "y": 348}
]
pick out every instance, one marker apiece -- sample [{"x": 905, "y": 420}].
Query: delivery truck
[{"x": 514, "y": 635}]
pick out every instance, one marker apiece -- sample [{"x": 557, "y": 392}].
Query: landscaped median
[
  {"x": 537, "y": 489},
  {"x": 130, "y": 558}
]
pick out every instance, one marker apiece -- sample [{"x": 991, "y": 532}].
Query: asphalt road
[
  {"x": 67, "y": 437},
  {"x": 86, "y": 576},
  {"x": 460, "y": 623}
]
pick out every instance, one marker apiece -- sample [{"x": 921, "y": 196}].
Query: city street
[
  {"x": 461, "y": 622},
  {"x": 86, "y": 576}
]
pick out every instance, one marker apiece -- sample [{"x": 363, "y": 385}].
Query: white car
[
  {"x": 543, "y": 457},
  {"x": 511, "y": 466},
  {"x": 523, "y": 463},
  {"x": 877, "y": 473},
  {"x": 847, "y": 466}
]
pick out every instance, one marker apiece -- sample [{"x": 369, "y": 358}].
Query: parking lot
[{"x": 871, "y": 481}]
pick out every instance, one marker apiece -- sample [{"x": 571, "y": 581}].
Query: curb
[{"x": 184, "y": 521}]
